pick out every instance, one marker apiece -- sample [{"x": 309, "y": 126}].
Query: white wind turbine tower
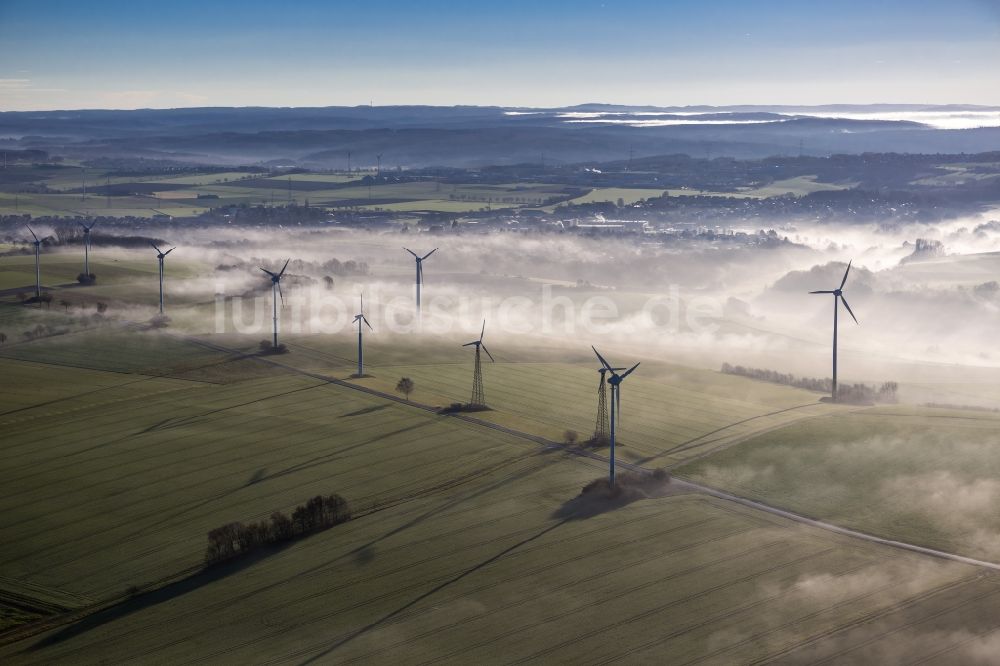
[
  {"x": 86, "y": 247},
  {"x": 361, "y": 319},
  {"x": 838, "y": 297},
  {"x": 160, "y": 255},
  {"x": 615, "y": 381},
  {"x": 420, "y": 272},
  {"x": 275, "y": 293},
  {"x": 38, "y": 270}
]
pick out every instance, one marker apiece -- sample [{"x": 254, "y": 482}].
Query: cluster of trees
[
  {"x": 349, "y": 267},
  {"x": 267, "y": 347},
  {"x": 810, "y": 384},
  {"x": 236, "y": 539},
  {"x": 864, "y": 394},
  {"x": 859, "y": 393},
  {"x": 508, "y": 200},
  {"x": 42, "y": 331},
  {"x": 629, "y": 483}
]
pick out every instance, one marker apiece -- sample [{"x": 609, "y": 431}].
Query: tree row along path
[{"x": 680, "y": 483}]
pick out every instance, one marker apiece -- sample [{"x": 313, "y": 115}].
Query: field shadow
[
  {"x": 597, "y": 497},
  {"x": 257, "y": 476},
  {"x": 364, "y": 555},
  {"x": 324, "y": 653},
  {"x": 164, "y": 594},
  {"x": 366, "y": 410}
]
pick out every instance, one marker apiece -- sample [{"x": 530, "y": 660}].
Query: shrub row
[
  {"x": 861, "y": 393},
  {"x": 236, "y": 539}
]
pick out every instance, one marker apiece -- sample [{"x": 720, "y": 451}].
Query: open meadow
[
  {"x": 127, "y": 442},
  {"x": 460, "y": 531},
  {"x": 919, "y": 475}
]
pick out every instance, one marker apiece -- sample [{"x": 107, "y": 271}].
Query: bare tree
[{"x": 405, "y": 386}]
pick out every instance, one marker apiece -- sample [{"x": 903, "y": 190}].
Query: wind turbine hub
[{"x": 837, "y": 292}]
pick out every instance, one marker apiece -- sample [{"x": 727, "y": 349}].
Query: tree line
[
  {"x": 859, "y": 393},
  {"x": 237, "y": 539}
]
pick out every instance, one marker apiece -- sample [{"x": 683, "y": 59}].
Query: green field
[
  {"x": 178, "y": 196},
  {"x": 798, "y": 186},
  {"x": 124, "y": 448},
  {"x": 918, "y": 475},
  {"x": 612, "y": 194},
  {"x": 670, "y": 414}
]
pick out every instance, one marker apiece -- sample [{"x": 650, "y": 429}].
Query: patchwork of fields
[{"x": 124, "y": 447}]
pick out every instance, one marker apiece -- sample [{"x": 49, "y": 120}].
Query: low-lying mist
[{"x": 927, "y": 310}]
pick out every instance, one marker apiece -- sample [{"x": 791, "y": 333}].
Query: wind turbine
[
  {"x": 275, "y": 293},
  {"x": 601, "y": 427},
  {"x": 86, "y": 247},
  {"x": 361, "y": 319},
  {"x": 478, "y": 395},
  {"x": 615, "y": 380},
  {"x": 38, "y": 270},
  {"x": 420, "y": 271},
  {"x": 838, "y": 296},
  {"x": 160, "y": 254}
]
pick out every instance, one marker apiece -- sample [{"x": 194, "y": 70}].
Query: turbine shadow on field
[
  {"x": 366, "y": 410},
  {"x": 366, "y": 552},
  {"x": 164, "y": 594},
  {"x": 426, "y": 595},
  {"x": 319, "y": 460}
]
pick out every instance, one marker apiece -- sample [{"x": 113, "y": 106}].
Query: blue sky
[{"x": 514, "y": 53}]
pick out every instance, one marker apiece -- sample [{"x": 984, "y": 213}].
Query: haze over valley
[{"x": 431, "y": 333}]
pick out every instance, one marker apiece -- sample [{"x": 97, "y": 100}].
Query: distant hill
[{"x": 412, "y": 136}]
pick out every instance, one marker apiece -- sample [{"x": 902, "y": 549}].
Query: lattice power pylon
[
  {"x": 478, "y": 394},
  {"x": 601, "y": 427}
]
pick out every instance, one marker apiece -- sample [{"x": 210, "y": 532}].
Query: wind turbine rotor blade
[
  {"x": 482, "y": 332},
  {"x": 280, "y": 294},
  {"x": 844, "y": 301},
  {"x": 365, "y": 319},
  {"x": 428, "y": 254},
  {"x": 169, "y": 251},
  {"x": 630, "y": 371},
  {"x": 492, "y": 360},
  {"x": 153, "y": 245},
  {"x": 284, "y": 267},
  {"x": 268, "y": 272},
  {"x": 31, "y": 232},
  {"x": 829, "y": 291},
  {"x": 411, "y": 252},
  {"x": 606, "y": 365},
  {"x": 844, "y": 281},
  {"x": 469, "y": 344}
]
